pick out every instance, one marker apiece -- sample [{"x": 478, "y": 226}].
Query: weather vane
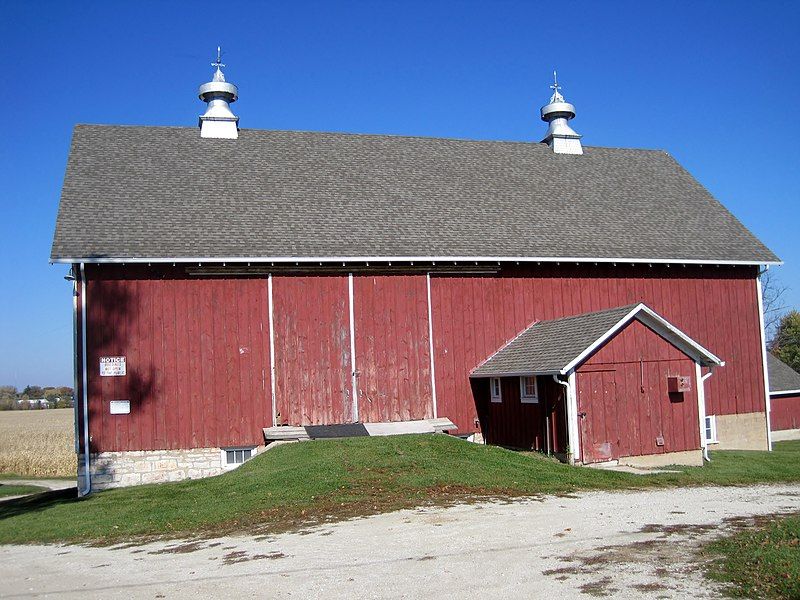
[
  {"x": 218, "y": 62},
  {"x": 556, "y": 97}
]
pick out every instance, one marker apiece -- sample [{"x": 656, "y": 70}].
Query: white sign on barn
[{"x": 112, "y": 366}]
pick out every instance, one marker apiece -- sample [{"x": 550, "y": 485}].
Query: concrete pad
[{"x": 399, "y": 428}]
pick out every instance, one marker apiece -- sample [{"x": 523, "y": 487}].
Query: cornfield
[{"x": 37, "y": 442}]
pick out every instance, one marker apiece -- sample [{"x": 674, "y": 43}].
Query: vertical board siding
[
  {"x": 312, "y": 349},
  {"x": 198, "y": 348},
  {"x": 194, "y": 350},
  {"x": 514, "y": 424},
  {"x": 717, "y": 306},
  {"x": 785, "y": 413},
  {"x": 392, "y": 348},
  {"x": 622, "y": 389}
]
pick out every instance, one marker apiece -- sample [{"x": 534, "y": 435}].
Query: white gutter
[
  {"x": 385, "y": 259},
  {"x": 86, "y": 450},
  {"x": 759, "y": 292}
]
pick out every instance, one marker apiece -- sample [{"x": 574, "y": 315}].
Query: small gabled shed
[
  {"x": 620, "y": 384},
  {"x": 784, "y": 393}
]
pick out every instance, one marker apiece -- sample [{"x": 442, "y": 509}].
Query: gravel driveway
[{"x": 625, "y": 544}]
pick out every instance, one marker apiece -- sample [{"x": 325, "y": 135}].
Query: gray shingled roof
[
  {"x": 164, "y": 192},
  {"x": 782, "y": 378},
  {"x": 556, "y": 346},
  {"x": 549, "y": 346}
]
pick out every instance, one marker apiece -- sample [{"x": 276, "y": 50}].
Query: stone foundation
[
  {"x": 122, "y": 469},
  {"x": 741, "y": 432}
]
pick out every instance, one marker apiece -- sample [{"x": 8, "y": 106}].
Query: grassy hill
[{"x": 328, "y": 480}]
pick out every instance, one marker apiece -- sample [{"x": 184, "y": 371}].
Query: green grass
[
  {"x": 18, "y": 490},
  {"x": 760, "y": 563},
  {"x": 336, "y": 479}
]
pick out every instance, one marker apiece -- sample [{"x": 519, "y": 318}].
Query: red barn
[
  {"x": 784, "y": 392},
  {"x": 228, "y": 281}
]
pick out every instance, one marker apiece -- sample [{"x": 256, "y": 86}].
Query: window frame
[
  {"x": 232, "y": 465},
  {"x": 710, "y": 423},
  {"x": 495, "y": 395},
  {"x": 524, "y": 397}
]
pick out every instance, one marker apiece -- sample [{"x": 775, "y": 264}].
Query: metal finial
[
  {"x": 556, "y": 97},
  {"x": 218, "y": 63}
]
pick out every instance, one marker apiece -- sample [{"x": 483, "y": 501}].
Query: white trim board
[{"x": 389, "y": 259}]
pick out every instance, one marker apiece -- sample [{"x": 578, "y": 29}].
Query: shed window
[
  {"x": 494, "y": 386},
  {"x": 711, "y": 429},
  {"x": 528, "y": 391},
  {"x": 233, "y": 457}
]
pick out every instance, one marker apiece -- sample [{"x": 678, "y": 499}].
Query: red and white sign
[{"x": 112, "y": 366}]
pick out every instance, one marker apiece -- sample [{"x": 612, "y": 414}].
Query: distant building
[
  {"x": 229, "y": 281},
  {"x": 784, "y": 391},
  {"x": 35, "y": 402}
]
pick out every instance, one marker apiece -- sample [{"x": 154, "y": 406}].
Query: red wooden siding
[
  {"x": 515, "y": 424},
  {"x": 197, "y": 355},
  {"x": 622, "y": 390},
  {"x": 785, "y": 413},
  {"x": 392, "y": 348},
  {"x": 717, "y": 306},
  {"x": 312, "y": 349}
]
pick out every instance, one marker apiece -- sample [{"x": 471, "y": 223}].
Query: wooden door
[{"x": 597, "y": 415}]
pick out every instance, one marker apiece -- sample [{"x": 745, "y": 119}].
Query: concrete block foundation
[{"x": 741, "y": 432}]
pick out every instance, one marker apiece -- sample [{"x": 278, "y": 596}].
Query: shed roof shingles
[
  {"x": 165, "y": 192},
  {"x": 549, "y": 346},
  {"x": 782, "y": 378}
]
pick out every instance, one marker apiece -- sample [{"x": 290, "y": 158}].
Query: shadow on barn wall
[{"x": 114, "y": 311}]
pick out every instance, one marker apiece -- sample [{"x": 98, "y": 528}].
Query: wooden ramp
[{"x": 343, "y": 430}]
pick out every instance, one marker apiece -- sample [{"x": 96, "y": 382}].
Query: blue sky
[{"x": 714, "y": 83}]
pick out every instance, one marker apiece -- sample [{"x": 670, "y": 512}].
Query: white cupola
[
  {"x": 560, "y": 136},
  {"x": 218, "y": 121}
]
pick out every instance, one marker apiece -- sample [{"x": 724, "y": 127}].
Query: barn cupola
[
  {"x": 560, "y": 136},
  {"x": 219, "y": 121}
]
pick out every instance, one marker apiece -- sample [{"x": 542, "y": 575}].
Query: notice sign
[{"x": 112, "y": 366}]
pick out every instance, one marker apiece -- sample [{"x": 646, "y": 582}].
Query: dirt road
[{"x": 629, "y": 545}]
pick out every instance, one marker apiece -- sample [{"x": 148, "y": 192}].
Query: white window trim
[
  {"x": 495, "y": 397},
  {"x": 712, "y": 419},
  {"x": 527, "y": 398},
  {"x": 223, "y": 456}
]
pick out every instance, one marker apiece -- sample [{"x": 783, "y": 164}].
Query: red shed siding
[
  {"x": 311, "y": 316},
  {"x": 514, "y": 424},
  {"x": 785, "y": 413},
  {"x": 717, "y": 306},
  {"x": 622, "y": 389},
  {"x": 392, "y": 348},
  {"x": 197, "y": 362}
]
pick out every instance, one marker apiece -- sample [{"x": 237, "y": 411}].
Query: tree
[
  {"x": 33, "y": 392},
  {"x": 786, "y": 343},
  {"x": 772, "y": 294},
  {"x": 8, "y": 392}
]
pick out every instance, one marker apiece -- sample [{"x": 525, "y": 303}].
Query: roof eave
[{"x": 379, "y": 259}]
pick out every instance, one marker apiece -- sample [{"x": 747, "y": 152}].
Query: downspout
[
  {"x": 86, "y": 451},
  {"x": 76, "y": 348},
  {"x": 566, "y": 412},
  {"x": 764, "y": 368},
  {"x": 703, "y": 391}
]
